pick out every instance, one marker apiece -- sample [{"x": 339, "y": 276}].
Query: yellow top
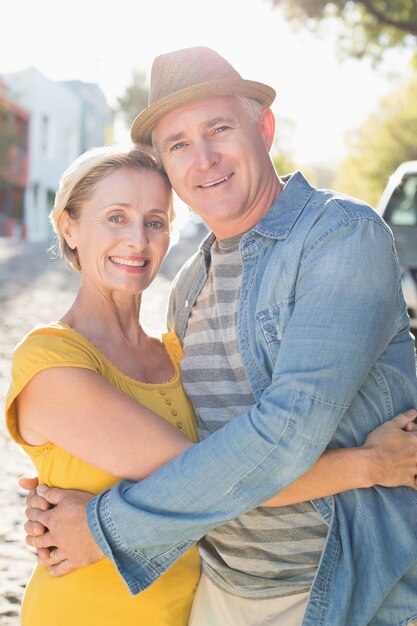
[{"x": 96, "y": 595}]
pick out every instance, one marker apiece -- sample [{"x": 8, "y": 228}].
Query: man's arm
[{"x": 387, "y": 458}]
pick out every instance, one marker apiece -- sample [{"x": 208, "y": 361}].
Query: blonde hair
[{"x": 79, "y": 180}]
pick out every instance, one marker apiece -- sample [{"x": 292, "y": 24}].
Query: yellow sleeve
[
  {"x": 45, "y": 347},
  {"x": 173, "y": 346}
]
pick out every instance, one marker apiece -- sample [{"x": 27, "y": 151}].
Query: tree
[
  {"x": 369, "y": 27},
  {"x": 384, "y": 141},
  {"x": 135, "y": 98}
]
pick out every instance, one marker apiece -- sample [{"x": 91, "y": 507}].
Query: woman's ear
[{"x": 67, "y": 226}]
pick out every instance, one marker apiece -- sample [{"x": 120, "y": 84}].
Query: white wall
[{"x": 55, "y": 136}]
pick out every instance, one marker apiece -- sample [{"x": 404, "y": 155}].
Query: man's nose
[{"x": 206, "y": 155}]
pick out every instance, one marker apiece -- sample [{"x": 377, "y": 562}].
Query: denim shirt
[{"x": 324, "y": 337}]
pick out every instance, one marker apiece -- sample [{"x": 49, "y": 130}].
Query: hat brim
[{"x": 145, "y": 122}]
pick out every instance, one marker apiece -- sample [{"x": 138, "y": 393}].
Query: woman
[
  {"x": 113, "y": 215},
  {"x": 94, "y": 398}
]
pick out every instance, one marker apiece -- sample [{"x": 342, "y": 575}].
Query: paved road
[{"x": 35, "y": 289}]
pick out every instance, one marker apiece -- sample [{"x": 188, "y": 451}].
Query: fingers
[
  {"x": 53, "y": 495},
  {"x": 49, "y": 558},
  {"x": 34, "y": 528},
  {"x": 35, "y": 501},
  {"x": 37, "y": 528},
  {"x": 43, "y": 553},
  {"x": 28, "y": 482},
  {"x": 41, "y": 541},
  {"x": 403, "y": 419},
  {"x": 56, "y": 564},
  {"x": 37, "y": 515},
  {"x": 65, "y": 567}
]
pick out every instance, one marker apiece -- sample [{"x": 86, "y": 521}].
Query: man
[{"x": 292, "y": 311}]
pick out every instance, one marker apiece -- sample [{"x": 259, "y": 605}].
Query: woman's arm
[
  {"x": 89, "y": 417},
  {"x": 387, "y": 458},
  {"x": 80, "y": 411}
]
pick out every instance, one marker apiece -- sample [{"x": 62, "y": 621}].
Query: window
[
  {"x": 45, "y": 135},
  {"x": 402, "y": 206}
]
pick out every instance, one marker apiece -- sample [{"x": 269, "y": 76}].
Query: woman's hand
[
  {"x": 34, "y": 501},
  {"x": 393, "y": 448},
  {"x": 58, "y": 529},
  {"x": 387, "y": 458}
]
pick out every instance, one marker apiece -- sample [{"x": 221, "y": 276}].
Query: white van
[{"x": 398, "y": 207}]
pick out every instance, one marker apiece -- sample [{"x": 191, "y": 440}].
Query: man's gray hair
[{"x": 252, "y": 106}]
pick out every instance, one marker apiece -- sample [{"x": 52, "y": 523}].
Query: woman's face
[{"x": 122, "y": 234}]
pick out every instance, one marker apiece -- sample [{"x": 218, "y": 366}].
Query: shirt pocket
[{"x": 273, "y": 322}]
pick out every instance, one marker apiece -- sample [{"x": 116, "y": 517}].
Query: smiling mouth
[
  {"x": 214, "y": 183},
  {"x": 129, "y": 262}
]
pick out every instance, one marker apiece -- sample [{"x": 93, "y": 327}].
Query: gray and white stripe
[{"x": 271, "y": 551}]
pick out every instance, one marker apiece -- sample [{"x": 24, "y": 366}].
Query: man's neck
[{"x": 227, "y": 230}]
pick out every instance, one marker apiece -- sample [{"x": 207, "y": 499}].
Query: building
[
  {"x": 96, "y": 124},
  {"x": 65, "y": 119},
  {"x": 14, "y": 129}
]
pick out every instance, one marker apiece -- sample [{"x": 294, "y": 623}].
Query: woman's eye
[
  {"x": 222, "y": 129},
  {"x": 155, "y": 224},
  {"x": 116, "y": 219}
]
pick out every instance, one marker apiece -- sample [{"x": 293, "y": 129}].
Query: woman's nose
[{"x": 137, "y": 236}]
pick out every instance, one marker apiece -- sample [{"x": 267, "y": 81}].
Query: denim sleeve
[{"x": 345, "y": 314}]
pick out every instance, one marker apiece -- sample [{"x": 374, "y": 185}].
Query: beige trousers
[{"x": 214, "y": 607}]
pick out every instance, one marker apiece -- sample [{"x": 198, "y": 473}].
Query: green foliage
[
  {"x": 369, "y": 27},
  {"x": 316, "y": 174},
  {"x": 135, "y": 98},
  {"x": 384, "y": 141},
  {"x": 284, "y": 163}
]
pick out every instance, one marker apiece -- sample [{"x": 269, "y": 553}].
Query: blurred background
[{"x": 74, "y": 75}]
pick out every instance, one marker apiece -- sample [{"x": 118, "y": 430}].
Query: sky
[{"x": 103, "y": 41}]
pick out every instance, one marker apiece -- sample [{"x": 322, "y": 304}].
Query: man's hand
[
  {"x": 394, "y": 449},
  {"x": 60, "y": 534}
]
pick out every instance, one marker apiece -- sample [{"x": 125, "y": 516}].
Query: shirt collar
[{"x": 281, "y": 217}]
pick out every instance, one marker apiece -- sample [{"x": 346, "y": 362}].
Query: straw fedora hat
[{"x": 190, "y": 74}]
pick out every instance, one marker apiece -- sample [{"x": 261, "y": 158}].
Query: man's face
[{"x": 217, "y": 158}]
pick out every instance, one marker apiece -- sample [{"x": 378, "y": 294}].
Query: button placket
[{"x": 171, "y": 406}]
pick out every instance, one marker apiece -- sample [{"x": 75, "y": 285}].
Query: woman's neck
[{"x": 106, "y": 316}]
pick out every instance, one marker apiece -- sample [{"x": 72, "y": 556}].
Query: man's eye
[
  {"x": 221, "y": 129},
  {"x": 116, "y": 219},
  {"x": 177, "y": 146}
]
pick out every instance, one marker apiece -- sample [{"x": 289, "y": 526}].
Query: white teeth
[
  {"x": 129, "y": 262},
  {"x": 215, "y": 182}
]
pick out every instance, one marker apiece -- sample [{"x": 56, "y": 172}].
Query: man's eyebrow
[
  {"x": 219, "y": 119},
  {"x": 172, "y": 139}
]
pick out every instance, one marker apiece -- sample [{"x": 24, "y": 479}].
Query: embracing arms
[
  {"x": 80, "y": 411},
  {"x": 111, "y": 431}
]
